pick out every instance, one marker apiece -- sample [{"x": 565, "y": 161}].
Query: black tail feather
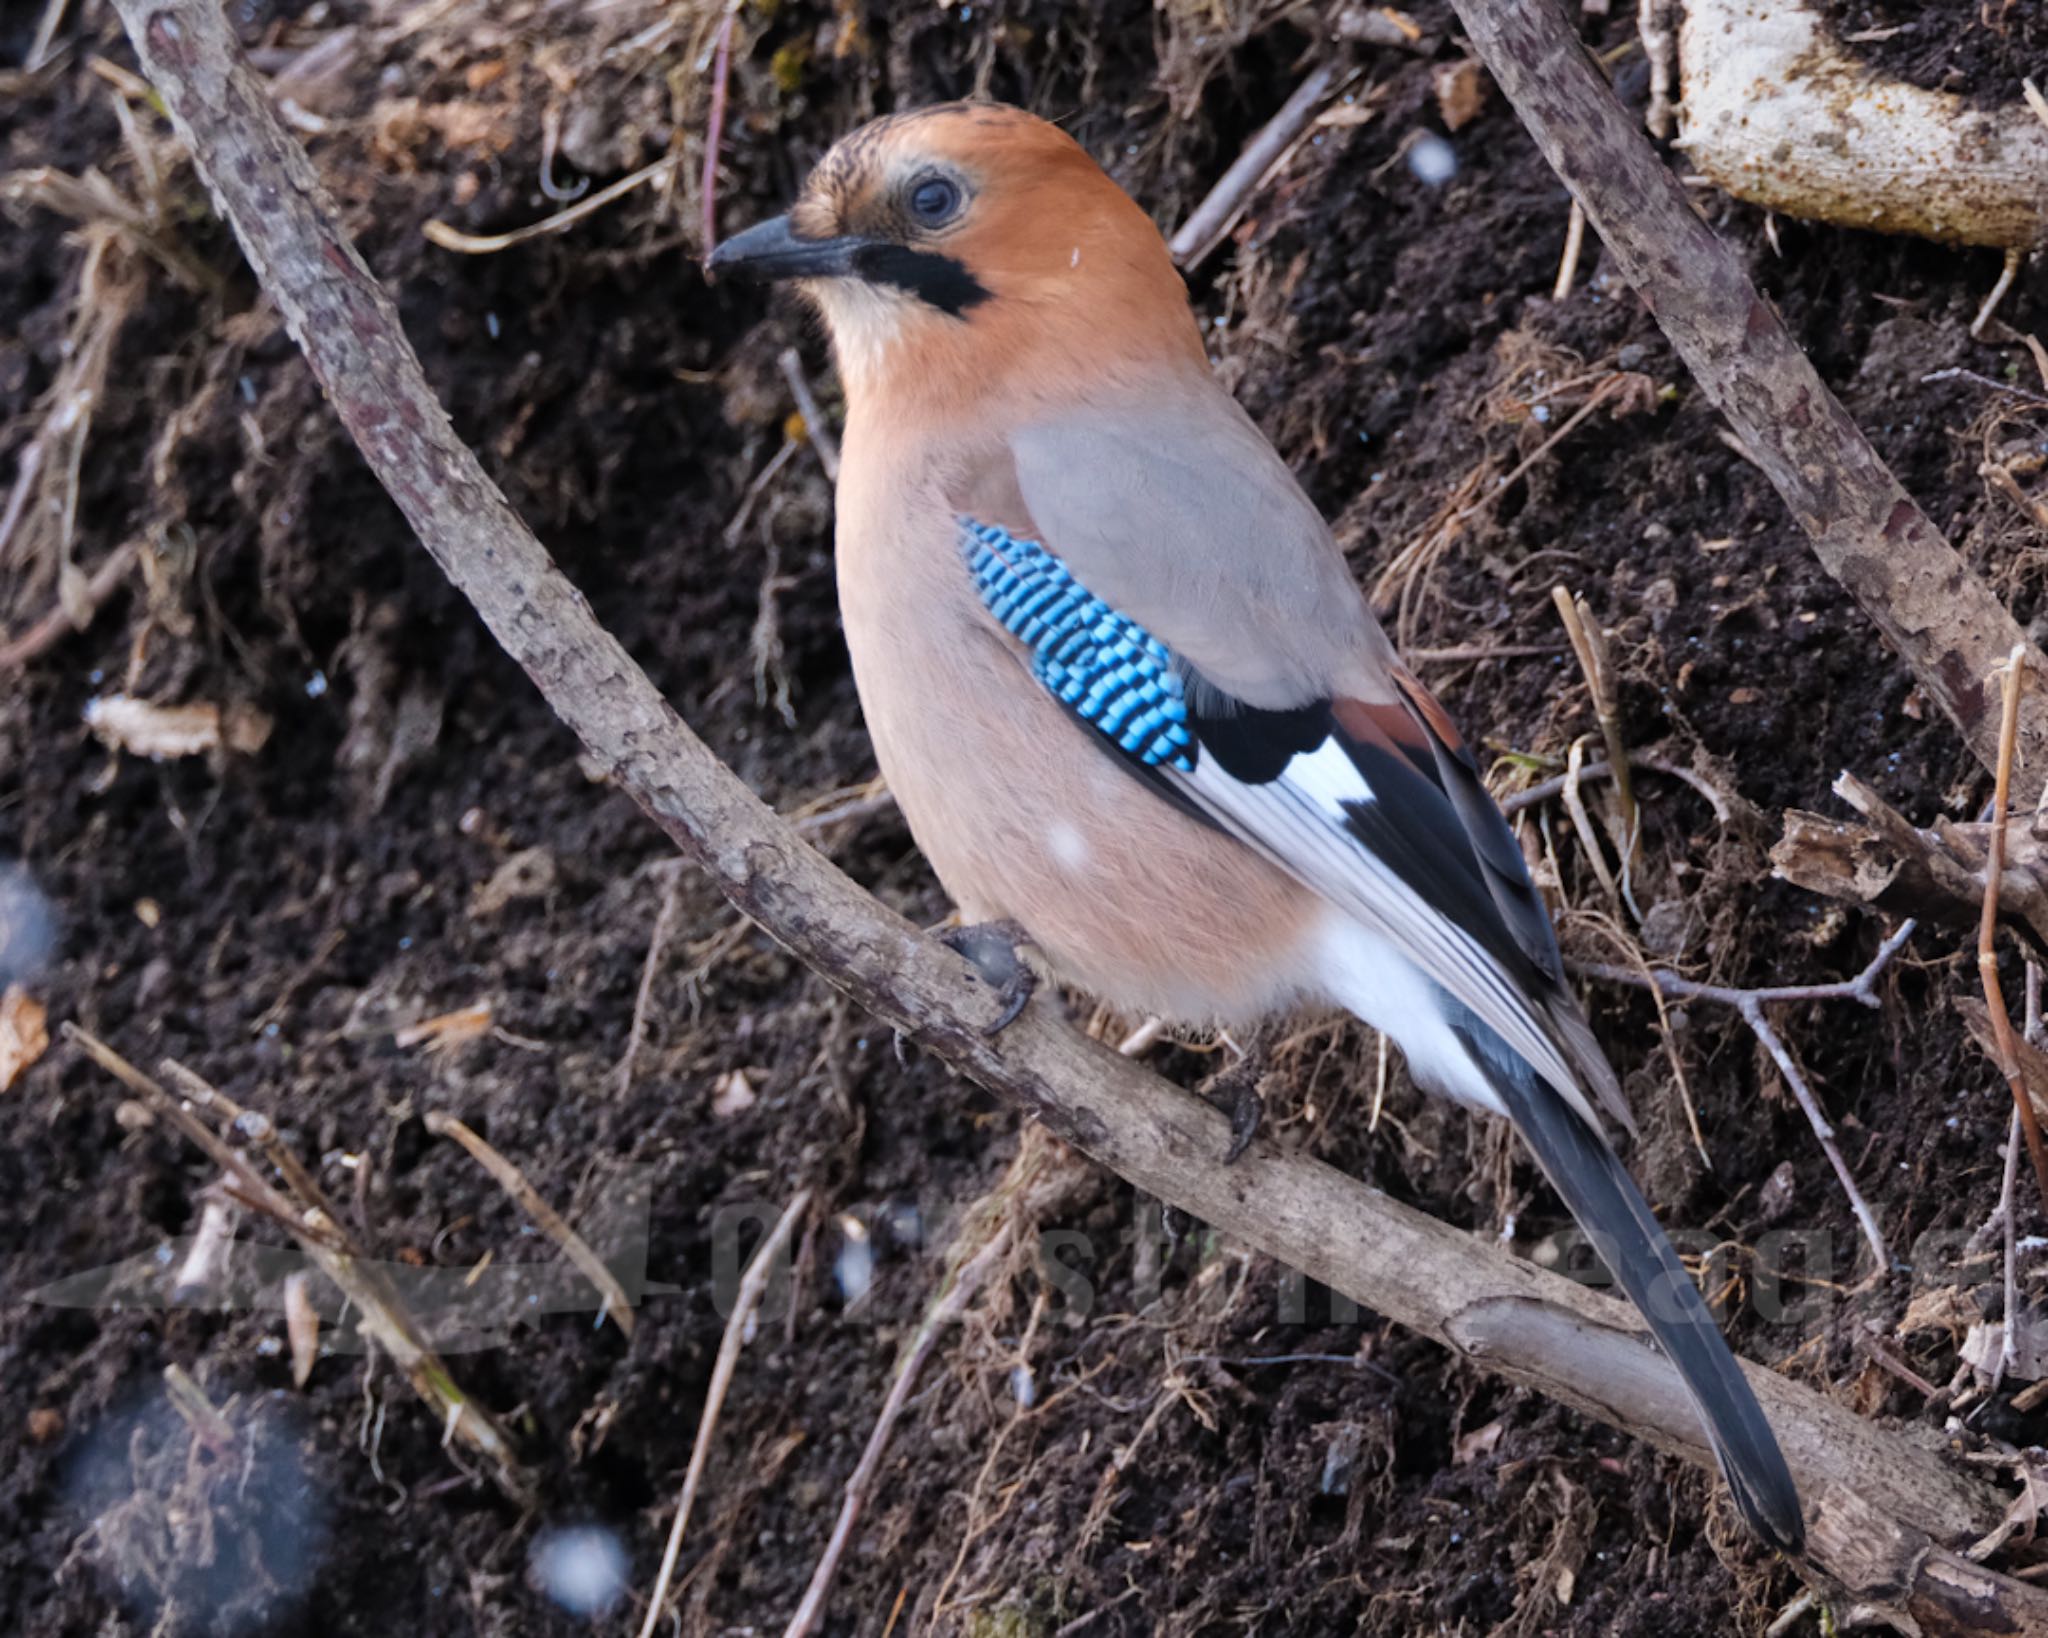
[{"x": 1611, "y": 1209}]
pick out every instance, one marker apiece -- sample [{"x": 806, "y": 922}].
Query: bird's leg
[
  {"x": 1234, "y": 1090},
  {"x": 992, "y": 947}
]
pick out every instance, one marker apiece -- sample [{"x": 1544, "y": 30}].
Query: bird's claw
[
  {"x": 1247, "y": 1110},
  {"x": 992, "y": 947},
  {"x": 1235, "y": 1092}
]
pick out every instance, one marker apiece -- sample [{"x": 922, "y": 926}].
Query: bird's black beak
[{"x": 771, "y": 250}]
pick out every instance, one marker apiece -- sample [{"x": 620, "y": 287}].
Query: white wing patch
[
  {"x": 1298, "y": 822},
  {"x": 1329, "y": 778},
  {"x": 1369, "y": 976}
]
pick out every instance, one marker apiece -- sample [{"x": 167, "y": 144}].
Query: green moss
[
  {"x": 788, "y": 65},
  {"x": 1010, "y": 1622}
]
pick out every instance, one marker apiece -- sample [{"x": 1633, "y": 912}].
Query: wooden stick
[
  {"x": 2007, "y": 275},
  {"x": 650, "y": 966},
  {"x": 1533, "y": 1328},
  {"x": 1938, "y": 615},
  {"x": 2008, "y": 1191}
]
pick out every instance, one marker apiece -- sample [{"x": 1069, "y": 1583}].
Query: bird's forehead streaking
[{"x": 868, "y": 179}]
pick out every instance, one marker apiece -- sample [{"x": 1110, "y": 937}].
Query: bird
[{"x": 1136, "y": 711}]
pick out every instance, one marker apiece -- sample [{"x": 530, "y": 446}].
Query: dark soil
[
  {"x": 1981, "y": 51},
  {"x": 1190, "y": 1450}
]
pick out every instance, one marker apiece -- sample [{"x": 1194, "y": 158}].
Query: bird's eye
[{"x": 934, "y": 200}]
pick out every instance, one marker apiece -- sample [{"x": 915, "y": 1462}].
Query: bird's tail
[{"x": 1611, "y": 1209}]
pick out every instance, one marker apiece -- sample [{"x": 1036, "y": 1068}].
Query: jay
[{"x": 1131, "y": 700}]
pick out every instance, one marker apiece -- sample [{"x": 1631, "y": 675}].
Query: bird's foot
[
  {"x": 992, "y": 947},
  {"x": 1235, "y": 1091}
]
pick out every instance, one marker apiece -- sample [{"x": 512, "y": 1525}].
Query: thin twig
[
  {"x": 27, "y": 464},
  {"x": 1886, "y": 1360},
  {"x": 714, "y": 132},
  {"x": 230, "y": 1160},
  {"x": 2007, "y": 275},
  {"x": 2008, "y": 1194},
  {"x": 756, "y": 489},
  {"x": 820, "y": 435},
  {"x": 1823, "y": 1128},
  {"x": 1412, "y": 560},
  {"x": 1750, "y": 1004},
  {"x": 1213, "y": 218},
  {"x": 753, "y": 1284},
  {"x": 1582, "y": 822},
  {"x": 1987, "y": 926},
  {"x": 1959, "y": 374},
  {"x": 1594, "y": 399},
  {"x": 1545, "y": 790},
  {"x": 1665, "y": 1033},
  {"x": 1568, "y": 263},
  {"x": 836, "y": 807},
  {"x": 1459, "y": 652},
  {"x": 513, "y": 1181},
  {"x": 1589, "y": 643},
  {"x": 58, "y": 624},
  {"x": 257, "y": 1127},
  {"x": 2001, "y": 479},
  {"x": 1796, "y": 1611},
  {"x": 948, "y": 1307},
  {"x": 46, "y": 34},
  {"x": 643, "y": 1000},
  {"x": 1860, "y": 988},
  {"x": 488, "y": 244}
]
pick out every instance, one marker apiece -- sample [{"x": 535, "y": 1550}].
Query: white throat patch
[{"x": 865, "y": 320}]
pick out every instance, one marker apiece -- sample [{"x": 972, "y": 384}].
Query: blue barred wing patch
[{"x": 1107, "y": 669}]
